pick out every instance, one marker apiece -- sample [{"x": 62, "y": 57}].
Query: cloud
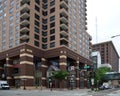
[{"x": 108, "y": 22}]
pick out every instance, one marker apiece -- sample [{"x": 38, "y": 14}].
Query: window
[
  {"x": 10, "y": 44},
  {"x": 10, "y": 38},
  {"x": 52, "y": 24},
  {"x": 44, "y": 40},
  {"x": 17, "y": 14},
  {"x": 37, "y": 16},
  {"x": 44, "y": 33},
  {"x": 36, "y": 43},
  {"x": 11, "y": 10},
  {"x": 44, "y": 21},
  {"x": 17, "y": 21},
  {"x": 52, "y": 18},
  {"x": 52, "y": 38},
  {"x": 36, "y": 29},
  {"x": 52, "y": 3},
  {"x": 44, "y": 6},
  {"x": 52, "y": 10},
  {"x": 37, "y": 1},
  {"x": 37, "y": 23},
  {"x": 1, "y": 11},
  {"x": 52, "y": 31},
  {"x": 17, "y": 6},
  {"x": 37, "y": 8},
  {"x": 3, "y": 29},
  {"x": 11, "y": 18},
  {"x": 44, "y": 27},
  {"x": 44, "y": 1},
  {"x": 1, "y": 18},
  {"x": 17, "y": 35},
  {"x": 11, "y": 3},
  {"x": 17, "y": 28},
  {"x": 36, "y": 36},
  {"x": 44, "y": 46},
  {"x": 10, "y": 31},
  {"x": 52, "y": 44},
  {"x": 44, "y": 13}
]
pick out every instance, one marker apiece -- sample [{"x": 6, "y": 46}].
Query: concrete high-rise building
[
  {"x": 109, "y": 55},
  {"x": 38, "y": 34}
]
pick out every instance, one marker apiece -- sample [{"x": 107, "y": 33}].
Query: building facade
[
  {"x": 36, "y": 34},
  {"x": 96, "y": 59},
  {"x": 108, "y": 53}
]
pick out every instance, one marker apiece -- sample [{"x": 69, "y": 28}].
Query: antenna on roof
[{"x": 96, "y": 29}]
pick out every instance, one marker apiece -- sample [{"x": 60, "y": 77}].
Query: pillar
[
  {"x": 63, "y": 66},
  {"x": 26, "y": 68},
  {"x": 8, "y": 67},
  {"x": 77, "y": 75},
  {"x": 63, "y": 60},
  {"x": 44, "y": 71}
]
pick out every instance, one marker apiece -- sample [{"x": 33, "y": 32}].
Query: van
[{"x": 4, "y": 85}]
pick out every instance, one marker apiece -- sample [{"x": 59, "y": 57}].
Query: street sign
[{"x": 86, "y": 67}]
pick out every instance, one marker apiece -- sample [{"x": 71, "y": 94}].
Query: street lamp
[
  {"x": 50, "y": 83},
  {"x": 115, "y": 36},
  {"x": 24, "y": 83}
]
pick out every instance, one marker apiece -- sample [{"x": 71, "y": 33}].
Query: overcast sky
[{"x": 107, "y": 13}]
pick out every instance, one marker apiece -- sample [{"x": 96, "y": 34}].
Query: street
[{"x": 47, "y": 92}]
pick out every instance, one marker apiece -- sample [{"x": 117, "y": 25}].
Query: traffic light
[{"x": 50, "y": 79}]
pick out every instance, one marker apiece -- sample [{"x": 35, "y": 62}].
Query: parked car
[
  {"x": 4, "y": 85},
  {"x": 104, "y": 86}
]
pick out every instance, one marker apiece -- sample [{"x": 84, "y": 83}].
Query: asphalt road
[{"x": 80, "y": 92}]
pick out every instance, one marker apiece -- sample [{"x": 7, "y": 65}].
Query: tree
[
  {"x": 60, "y": 76},
  {"x": 100, "y": 73}
]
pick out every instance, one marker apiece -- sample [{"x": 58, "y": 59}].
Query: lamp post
[
  {"x": 24, "y": 83},
  {"x": 50, "y": 83},
  {"x": 115, "y": 36}
]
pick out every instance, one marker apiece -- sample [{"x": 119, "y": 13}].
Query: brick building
[
  {"x": 35, "y": 34},
  {"x": 108, "y": 53}
]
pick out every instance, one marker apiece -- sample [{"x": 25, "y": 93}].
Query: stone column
[
  {"x": 44, "y": 71},
  {"x": 8, "y": 67},
  {"x": 63, "y": 66},
  {"x": 26, "y": 68},
  {"x": 63, "y": 60},
  {"x": 77, "y": 75}
]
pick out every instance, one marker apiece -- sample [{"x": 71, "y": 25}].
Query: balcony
[
  {"x": 66, "y": 1},
  {"x": 64, "y": 20},
  {"x": 24, "y": 37},
  {"x": 64, "y": 33},
  {"x": 64, "y": 26},
  {"x": 24, "y": 22},
  {"x": 24, "y": 30},
  {"x": 85, "y": 23},
  {"x": 63, "y": 12},
  {"x": 64, "y": 42},
  {"x": 64, "y": 36},
  {"x": 25, "y": 8},
  {"x": 86, "y": 28},
  {"x": 24, "y": 1},
  {"x": 25, "y": 15},
  {"x": 63, "y": 4}
]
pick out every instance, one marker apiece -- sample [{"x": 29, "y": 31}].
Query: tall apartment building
[
  {"x": 41, "y": 35},
  {"x": 108, "y": 53}
]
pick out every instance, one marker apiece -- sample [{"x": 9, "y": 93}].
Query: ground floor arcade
[{"x": 27, "y": 66}]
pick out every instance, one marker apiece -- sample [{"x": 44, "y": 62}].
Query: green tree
[
  {"x": 100, "y": 73},
  {"x": 60, "y": 75}
]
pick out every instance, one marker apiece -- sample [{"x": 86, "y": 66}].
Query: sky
[{"x": 104, "y": 21}]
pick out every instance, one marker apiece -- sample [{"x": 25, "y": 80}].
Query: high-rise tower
[{"x": 36, "y": 34}]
